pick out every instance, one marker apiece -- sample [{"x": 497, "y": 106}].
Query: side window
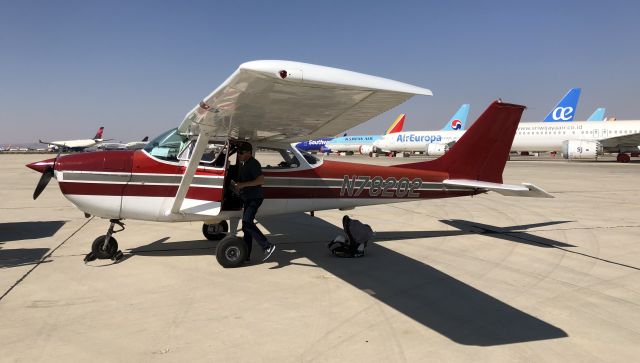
[
  {"x": 214, "y": 156},
  {"x": 276, "y": 158}
]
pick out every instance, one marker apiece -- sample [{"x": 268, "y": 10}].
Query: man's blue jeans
[{"x": 249, "y": 227}]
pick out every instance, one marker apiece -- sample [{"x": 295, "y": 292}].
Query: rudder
[{"x": 482, "y": 152}]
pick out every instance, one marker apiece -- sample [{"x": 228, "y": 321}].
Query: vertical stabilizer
[
  {"x": 565, "y": 110},
  {"x": 459, "y": 119},
  {"x": 99, "y": 133},
  {"x": 482, "y": 152},
  {"x": 397, "y": 125},
  {"x": 598, "y": 114}
]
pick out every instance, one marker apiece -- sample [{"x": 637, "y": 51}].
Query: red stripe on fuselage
[{"x": 137, "y": 190}]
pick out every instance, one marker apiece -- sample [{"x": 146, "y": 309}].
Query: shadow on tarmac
[
  {"x": 438, "y": 301},
  {"x": 17, "y": 231},
  {"x": 180, "y": 248}
]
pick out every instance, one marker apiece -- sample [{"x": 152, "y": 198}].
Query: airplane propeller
[
  {"x": 47, "y": 173},
  {"x": 42, "y": 183}
]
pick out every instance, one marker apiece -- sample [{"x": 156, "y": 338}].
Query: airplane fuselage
[
  {"x": 351, "y": 143},
  {"x": 76, "y": 144},
  {"x": 135, "y": 185},
  {"x": 530, "y": 136}
]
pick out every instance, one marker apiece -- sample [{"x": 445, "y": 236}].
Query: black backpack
[{"x": 358, "y": 234}]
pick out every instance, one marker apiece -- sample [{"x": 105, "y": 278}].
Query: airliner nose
[{"x": 40, "y": 166}]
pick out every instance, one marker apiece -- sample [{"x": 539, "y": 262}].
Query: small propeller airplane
[{"x": 185, "y": 173}]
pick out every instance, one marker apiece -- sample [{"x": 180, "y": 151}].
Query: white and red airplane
[
  {"x": 76, "y": 145},
  {"x": 273, "y": 104}
]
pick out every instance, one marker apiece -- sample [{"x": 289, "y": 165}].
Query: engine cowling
[
  {"x": 437, "y": 149},
  {"x": 581, "y": 149},
  {"x": 366, "y": 149}
]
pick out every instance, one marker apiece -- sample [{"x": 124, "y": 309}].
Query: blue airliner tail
[
  {"x": 597, "y": 115},
  {"x": 565, "y": 110},
  {"x": 459, "y": 119}
]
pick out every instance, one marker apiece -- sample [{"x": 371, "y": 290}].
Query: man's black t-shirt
[{"x": 248, "y": 171}]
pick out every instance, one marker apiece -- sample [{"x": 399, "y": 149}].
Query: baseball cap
[{"x": 245, "y": 146}]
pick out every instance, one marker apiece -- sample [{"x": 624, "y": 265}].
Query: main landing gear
[
  {"x": 623, "y": 158},
  {"x": 231, "y": 251},
  {"x": 106, "y": 247}
]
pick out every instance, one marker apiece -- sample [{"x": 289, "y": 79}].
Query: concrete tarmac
[{"x": 485, "y": 278}]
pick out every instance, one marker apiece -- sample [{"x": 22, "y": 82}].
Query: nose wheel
[
  {"x": 106, "y": 247},
  {"x": 215, "y": 231}
]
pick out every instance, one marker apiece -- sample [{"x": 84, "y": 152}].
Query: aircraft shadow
[
  {"x": 161, "y": 248},
  {"x": 16, "y": 231},
  {"x": 511, "y": 233},
  {"x": 21, "y": 256},
  {"x": 440, "y": 302}
]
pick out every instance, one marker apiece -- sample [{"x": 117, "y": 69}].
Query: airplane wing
[
  {"x": 631, "y": 140},
  {"x": 286, "y": 102}
]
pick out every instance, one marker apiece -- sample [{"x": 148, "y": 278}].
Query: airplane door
[
  {"x": 596, "y": 134},
  {"x": 206, "y": 192},
  {"x": 230, "y": 199}
]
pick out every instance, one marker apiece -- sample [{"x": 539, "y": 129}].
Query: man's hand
[{"x": 236, "y": 186}]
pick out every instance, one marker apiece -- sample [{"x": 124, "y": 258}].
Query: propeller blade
[{"x": 42, "y": 183}]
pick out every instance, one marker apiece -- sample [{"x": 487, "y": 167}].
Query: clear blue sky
[{"x": 136, "y": 67}]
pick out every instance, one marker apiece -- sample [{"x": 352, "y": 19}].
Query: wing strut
[{"x": 192, "y": 166}]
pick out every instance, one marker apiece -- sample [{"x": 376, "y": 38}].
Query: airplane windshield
[{"x": 167, "y": 146}]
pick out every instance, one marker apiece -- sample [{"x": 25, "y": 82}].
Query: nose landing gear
[
  {"x": 216, "y": 231},
  {"x": 106, "y": 247}
]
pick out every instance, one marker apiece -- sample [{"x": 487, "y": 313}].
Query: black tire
[
  {"x": 231, "y": 252},
  {"x": 104, "y": 253},
  {"x": 215, "y": 232}
]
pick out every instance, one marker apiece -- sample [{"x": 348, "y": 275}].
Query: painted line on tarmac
[{"x": 43, "y": 259}]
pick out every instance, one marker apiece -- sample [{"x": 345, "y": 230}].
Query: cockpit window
[
  {"x": 167, "y": 146},
  {"x": 308, "y": 157}
]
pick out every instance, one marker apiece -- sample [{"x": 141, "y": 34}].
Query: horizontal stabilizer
[{"x": 512, "y": 190}]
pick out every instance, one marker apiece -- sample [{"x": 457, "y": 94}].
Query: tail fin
[
  {"x": 598, "y": 114},
  {"x": 565, "y": 110},
  {"x": 397, "y": 125},
  {"x": 99, "y": 133},
  {"x": 459, "y": 119},
  {"x": 482, "y": 152},
  {"x": 146, "y": 138}
]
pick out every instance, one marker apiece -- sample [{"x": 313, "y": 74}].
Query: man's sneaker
[{"x": 268, "y": 252}]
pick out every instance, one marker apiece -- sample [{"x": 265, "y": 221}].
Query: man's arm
[{"x": 252, "y": 183}]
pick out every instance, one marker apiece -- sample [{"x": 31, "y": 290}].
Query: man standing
[{"x": 250, "y": 180}]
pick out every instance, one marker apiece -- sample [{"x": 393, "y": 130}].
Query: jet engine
[
  {"x": 366, "y": 149},
  {"x": 436, "y": 149},
  {"x": 581, "y": 149}
]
